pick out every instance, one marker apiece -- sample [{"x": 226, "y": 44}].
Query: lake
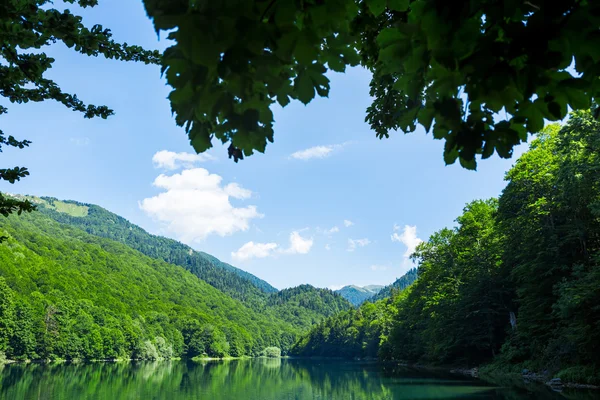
[{"x": 256, "y": 379}]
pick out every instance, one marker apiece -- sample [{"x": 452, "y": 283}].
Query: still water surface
[{"x": 258, "y": 379}]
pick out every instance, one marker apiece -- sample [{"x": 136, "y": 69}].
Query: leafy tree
[
  {"x": 7, "y": 314},
  {"x": 549, "y": 209},
  {"x": 28, "y": 26},
  {"x": 448, "y": 66},
  {"x": 272, "y": 352},
  {"x": 516, "y": 283}
]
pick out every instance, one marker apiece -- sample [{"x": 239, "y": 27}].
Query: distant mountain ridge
[
  {"x": 357, "y": 294},
  {"x": 400, "y": 284}
]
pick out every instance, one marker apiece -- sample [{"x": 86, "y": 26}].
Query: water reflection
[{"x": 262, "y": 379}]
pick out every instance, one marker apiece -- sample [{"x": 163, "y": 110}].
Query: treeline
[
  {"x": 516, "y": 282},
  {"x": 356, "y": 333},
  {"x": 304, "y": 305},
  {"x": 70, "y": 295}
]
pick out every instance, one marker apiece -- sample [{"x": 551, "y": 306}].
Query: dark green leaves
[
  {"x": 499, "y": 67},
  {"x": 438, "y": 64},
  {"x": 398, "y": 5},
  {"x": 304, "y": 88},
  {"x": 234, "y": 59},
  {"x": 376, "y": 6}
]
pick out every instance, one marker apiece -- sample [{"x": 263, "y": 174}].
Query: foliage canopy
[{"x": 451, "y": 67}]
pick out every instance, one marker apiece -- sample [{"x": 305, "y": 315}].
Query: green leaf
[
  {"x": 389, "y": 36},
  {"x": 200, "y": 138},
  {"x": 376, "y": 6},
  {"x": 468, "y": 164},
  {"x": 205, "y": 51},
  {"x": 398, "y": 5},
  {"x": 304, "y": 88},
  {"x": 283, "y": 100},
  {"x": 285, "y": 13},
  {"x": 305, "y": 51},
  {"x": 425, "y": 117}
]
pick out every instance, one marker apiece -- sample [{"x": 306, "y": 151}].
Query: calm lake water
[{"x": 259, "y": 379}]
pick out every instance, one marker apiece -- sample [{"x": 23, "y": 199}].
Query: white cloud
[
  {"x": 254, "y": 250},
  {"x": 298, "y": 244},
  {"x": 397, "y": 227},
  {"x": 335, "y": 229},
  {"x": 194, "y": 205},
  {"x": 408, "y": 238},
  {"x": 316, "y": 152},
  {"x": 379, "y": 267},
  {"x": 348, "y": 223},
  {"x": 327, "y": 247},
  {"x": 171, "y": 160},
  {"x": 238, "y": 192},
  {"x": 354, "y": 243}
]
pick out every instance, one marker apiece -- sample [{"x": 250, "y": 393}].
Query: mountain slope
[
  {"x": 67, "y": 294},
  {"x": 305, "y": 305},
  {"x": 356, "y": 294},
  {"x": 400, "y": 284},
  {"x": 97, "y": 221}
]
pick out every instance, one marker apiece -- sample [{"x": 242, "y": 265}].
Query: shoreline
[{"x": 525, "y": 378}]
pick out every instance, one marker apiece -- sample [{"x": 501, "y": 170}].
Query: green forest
[
  {"x": 514, "y": 285},
  {"x": 68, "y": 294}
]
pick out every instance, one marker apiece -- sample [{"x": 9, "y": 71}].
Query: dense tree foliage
[
  {"x": 356, "y": 333},
  {"x": 399, "y": 285},
  {"x": 449, "y": 66},
  {"x": 302, "y": 306},
  {"x": 305, "y": 305},
  {"x": 68, "y": 292},
  {"x": 26, "y": 28},
  {"x": 516, "y": 282},
  {"x": 97, "y": 221}
]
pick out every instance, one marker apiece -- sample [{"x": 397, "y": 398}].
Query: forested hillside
[
  {"x": 516, "y": 283},
  {"x": 399, "y": 285},
  {"x": 304, "y": 305},
  {"x": 356, "y": 333},
  {"x": 68, "y": 294},
  {"x": 73, "y": 293},
  {"x": 97, "y": 221},
  {"x": 356, "y": 294}
]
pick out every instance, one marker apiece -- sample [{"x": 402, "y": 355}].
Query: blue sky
[{"x": 328, "y": 204}]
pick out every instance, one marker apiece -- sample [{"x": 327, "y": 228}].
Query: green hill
[
  {"x": 400, "y": 284},
  {"x": 105, "y": 288},
  {"x": 304, "y": 305},
  {"x": 67, "y": 294},
  {"x": 97, "y": 221},
  {"x": 356, "y": 294}
]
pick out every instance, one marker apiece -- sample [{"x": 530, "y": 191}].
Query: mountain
[
  {"x": 356, "y": 294},
  {"x": 221, "y": 305},
  {"x": 97, "y": 221},
  {"x": 67, "y": 294},
  {"x": 355, "y": 333},
  {"x": 400, "y": 284},
  {"x": 304, "y": 305}
]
